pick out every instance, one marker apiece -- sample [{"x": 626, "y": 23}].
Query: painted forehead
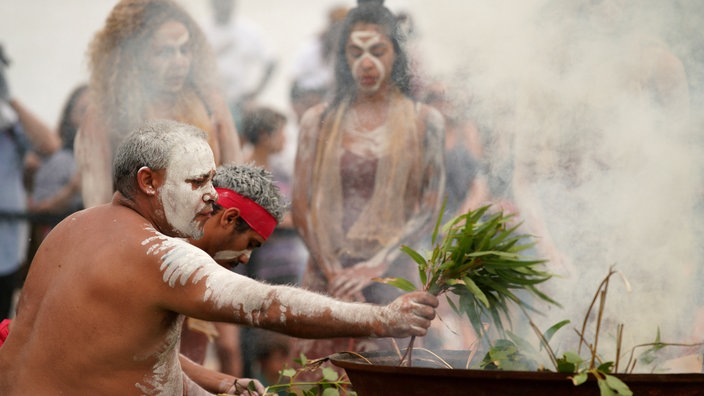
[
  {"x": 365, "y": 38},
  {"x": 192, "y": 157}
]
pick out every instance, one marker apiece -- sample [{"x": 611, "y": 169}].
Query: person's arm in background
[
  {"x": 228, "y": 140},
  {"x": 93, "y": 160},
  {"x": 214, "y": 381},
  {"x": 227, "y": 348},
  {"x": 61, "y": 201},
  {"x": 44, "y": 140}
]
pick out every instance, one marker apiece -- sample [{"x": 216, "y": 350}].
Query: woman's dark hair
[
  {"x": 373, "y": 12},
  {"x": 67, "y": 128}
]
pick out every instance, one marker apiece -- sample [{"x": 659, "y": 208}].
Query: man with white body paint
[{"x": 102, "y": 307}]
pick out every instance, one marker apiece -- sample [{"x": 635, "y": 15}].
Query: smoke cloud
[{"x": 588, "y": 115}]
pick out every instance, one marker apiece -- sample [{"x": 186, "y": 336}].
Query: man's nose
[{"x": 210, "y": 196}]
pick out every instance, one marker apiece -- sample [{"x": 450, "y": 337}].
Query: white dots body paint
[
  {"x": 180, "y": 200},
  {"x": 366, "y": 40}
]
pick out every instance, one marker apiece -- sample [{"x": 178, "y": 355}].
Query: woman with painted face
[
  {"x": 369, "y": 171},
  {"x": 149, "y": 61}
]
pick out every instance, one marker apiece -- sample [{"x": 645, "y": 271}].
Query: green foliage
[
  {"x": 479, "y": 257},
  {"x": 326, "y": 381},
  {"x": 506, "y": 355},
  {"x": 480, "y": 260}
]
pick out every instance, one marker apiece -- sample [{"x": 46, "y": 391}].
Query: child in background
[{"x": 281, "y": 260}]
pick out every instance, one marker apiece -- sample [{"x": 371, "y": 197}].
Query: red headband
[{"x": 257, "y": 217}]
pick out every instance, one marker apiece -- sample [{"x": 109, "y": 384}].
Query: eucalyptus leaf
[
  {"x": 605, "y": 389},
  {"x": 329, "y": 374},
  {"x": 403, "y": 284},
  {"x": 617, "y": 385},
  {"x": 554, "y": 328},
  {"x": 580, "y": 378},
  {"x": 330, "y": 392},
  {"x": 289, "y": 372}
]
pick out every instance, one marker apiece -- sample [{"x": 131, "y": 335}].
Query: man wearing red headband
[{"x": 248, "y": 208}]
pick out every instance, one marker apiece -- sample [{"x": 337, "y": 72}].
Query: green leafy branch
[
  {"x": 480, "y": 260},
  {"x": 327, "y": 382}
]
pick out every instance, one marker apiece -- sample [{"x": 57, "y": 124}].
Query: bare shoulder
[
  {"x": 432, "y": 122},
  {"x": 431, "y": 117},
  {"x": 178, "y": 260},
  {"x": 313, "y": 117}
]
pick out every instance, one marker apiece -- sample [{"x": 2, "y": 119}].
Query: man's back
[{"x": 89, "y": 306}]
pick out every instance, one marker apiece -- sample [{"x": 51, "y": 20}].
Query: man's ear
[
  {"x": 229, "y": 216},
  {"x": 149, "y": 180}
]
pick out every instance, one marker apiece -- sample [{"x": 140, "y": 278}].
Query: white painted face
[
  {"x": 168, "y": 57},
  {"x": 370, "y": 55},
  {"x": 188, "y": 191}
]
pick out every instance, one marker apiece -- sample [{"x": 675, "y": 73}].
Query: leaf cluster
[
  {"x": 479, "y": 256},
  {"x": 326, "y": 381},
  {"x": 609, "y": 385}
]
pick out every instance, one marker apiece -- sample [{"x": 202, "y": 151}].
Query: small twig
[
  {"x": 652, "y": 344},
  {"x": 408, "y": 356},
  {"x": 633, "y": 367},
  {"x": 600, "y": 316},
  {"x": 544, "y": 342},
  {"x": 396, "y": 348},
  {"x": 541, "y": 337},
  {"x": 360, "y": 356},
  {"x": 619, "y": 342},
  {"x": 591, "y": 350},
  {"x": 443, "y": 361},
  {"x": 473, "y": 349},
  {"x": 591, "y": 306}
]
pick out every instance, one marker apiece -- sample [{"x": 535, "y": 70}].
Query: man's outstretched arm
[{"x": 198, "y": 287}]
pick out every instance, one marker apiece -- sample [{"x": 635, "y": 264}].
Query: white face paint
[
  {"x": 365, "y": 40},
  {"x": 230, "y": 255},
  {"x": 188, "y": 187},
  {"x": 168, "y": 58}
]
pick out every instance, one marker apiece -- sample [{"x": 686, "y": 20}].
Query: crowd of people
[{"x": 125, "y": 226}]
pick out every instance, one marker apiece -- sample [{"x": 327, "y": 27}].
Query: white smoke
[{"x": 585, "y": 110}]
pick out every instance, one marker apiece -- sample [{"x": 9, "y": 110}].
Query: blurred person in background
[
  {"x": 149, "y": 61},
  {"x": 466, "y": 185},
  {"x": 282, "y": 259},
  {"x": 369, "y": 172},
  {"x": 313, "y": 71},
  {"x": 245, "y": 60},
  {"x": 56, "y": 184},
  {"x": 20, "y": 132}
]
